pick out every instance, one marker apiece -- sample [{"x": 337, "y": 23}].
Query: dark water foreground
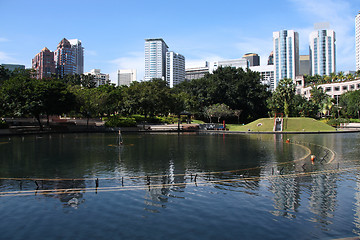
[{"x": 187, "y": 186}]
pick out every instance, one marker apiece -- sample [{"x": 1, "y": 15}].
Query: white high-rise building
[
  {"x": 79, "y": 55},
  {"x": 99, "y": 78},
  {"x": 357, "y": 41},
  {"x": 155, "y": 58},
  {"x": 286, "y": 55},
  {"x": 126, "y": 76},
  {"x": 266, "y": 73},
  {"x": 322, "y": 52},
  {"x": 175, "y": 68}
]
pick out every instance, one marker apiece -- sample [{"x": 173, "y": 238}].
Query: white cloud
[
  {"x": 3, "y": 39},
  {"x": 90, "y": 52},
  {"x": 6, "y": 58},
  {"x": 200, "y": 59},
  {"x": 341, "y": 17},
  {"x": 133, "y": 60}
]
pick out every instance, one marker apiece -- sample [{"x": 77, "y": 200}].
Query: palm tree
[
  {"x": 341, "y": 76},
  {"x": 333, "y": 77},
  {"x": 350, "y": 77}
]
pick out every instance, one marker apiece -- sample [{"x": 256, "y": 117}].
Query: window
[{"x": 336, "y": 88}]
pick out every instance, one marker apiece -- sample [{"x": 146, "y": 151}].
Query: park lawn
[
  {"x": 290, "y": 125},
  {"x": 197, "y": 121}
]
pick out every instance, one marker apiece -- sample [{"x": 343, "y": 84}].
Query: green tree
[
  {"x": 282, "y": 98},
  {"x": 149, "y": 98},
  {"x": 4, "y": 74},
  {"x": 219, "y": 111},
  {"x": 236, "y": 88},
  {"x": 350, "y": 103},
  {"x": 320, "y": 100},
  {"x": 87, "y": 101}
]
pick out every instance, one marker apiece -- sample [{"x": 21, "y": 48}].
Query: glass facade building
[
  {"x": 155, "y": 58},
  {"x": 286, "y": 55},
  {"x": 64, "y": 57},
  {"x": 357, "y": 41},
  {"x": 79, "y": 55},
  {"x": 322, "y": 52}
]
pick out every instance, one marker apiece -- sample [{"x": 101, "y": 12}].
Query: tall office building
[
  {"x": 271, "y": 59},
  {"x": 79, "y": 55},
  {"x": 126, "y": 77},
  {"x": 155, "y": 58},
  {"x": 305, "y": 68},
  {"x": 175, "y": 68},
  {"x": 253, "y": 59},
  {"x": 357, "y": 41},
  {"x": 43, "y": 63},
  {"x": 286, "y": 55},
  {"x": 322, "y": 52},
  {"x": 64, "y": 57}
]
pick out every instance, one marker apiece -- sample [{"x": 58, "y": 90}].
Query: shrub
[
  {"x": 337, "y": 121},
  {"x": 120, "y": 122},
  {"x": 3, "y": 124}
]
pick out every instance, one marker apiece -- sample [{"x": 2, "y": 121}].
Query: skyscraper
[
  {"x": 155, "y": 58},
  {"x": 79, "y": 55},
  {"x": 286, "y": 55},
  {"x": 253, "y": 58},
  {"x": 305, "y": 68},
  {"x": 322, "y": 52},
  {"x": 357, "y": 41},
  {"x": 175, "y": 68},
  {"x": 64, "y": 57},
  {"x": 43, "y": 63},
  {"x": 126, "y": 76}
]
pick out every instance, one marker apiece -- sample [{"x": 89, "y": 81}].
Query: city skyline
[{"x": 202, "y": 32}]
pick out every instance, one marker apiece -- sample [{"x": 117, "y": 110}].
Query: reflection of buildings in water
[
  {"x": 158, "y": 196},
  {"x": 70, "y": 195},
  {"x": 286, "y": 195},
  {"x": 357, "y": 209},
  {"x": 322, "y": 201}
]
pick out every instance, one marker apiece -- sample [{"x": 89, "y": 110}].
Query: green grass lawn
[
  {"x": 197, "y": 121},
  {"x": 290, "y": 125}
]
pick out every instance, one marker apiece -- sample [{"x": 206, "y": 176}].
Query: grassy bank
[{"x": 290, "y": 125}]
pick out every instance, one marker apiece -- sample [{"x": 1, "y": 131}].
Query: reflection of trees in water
[{"x": 322, "y": 201}]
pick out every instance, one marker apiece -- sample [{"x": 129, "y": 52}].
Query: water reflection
[
  {"x": 322, "y": 201},
  {"x": 162, "y": 169},
  {"x": 286, "y": 196}
]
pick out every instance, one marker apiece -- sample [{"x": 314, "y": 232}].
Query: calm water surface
[{"x": 187, "y": 186}]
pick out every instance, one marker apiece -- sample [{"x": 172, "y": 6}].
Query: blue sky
[{"x": 113, "y": 32}]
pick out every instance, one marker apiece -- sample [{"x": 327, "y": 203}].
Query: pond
[{"x": 180, "y": 186}]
